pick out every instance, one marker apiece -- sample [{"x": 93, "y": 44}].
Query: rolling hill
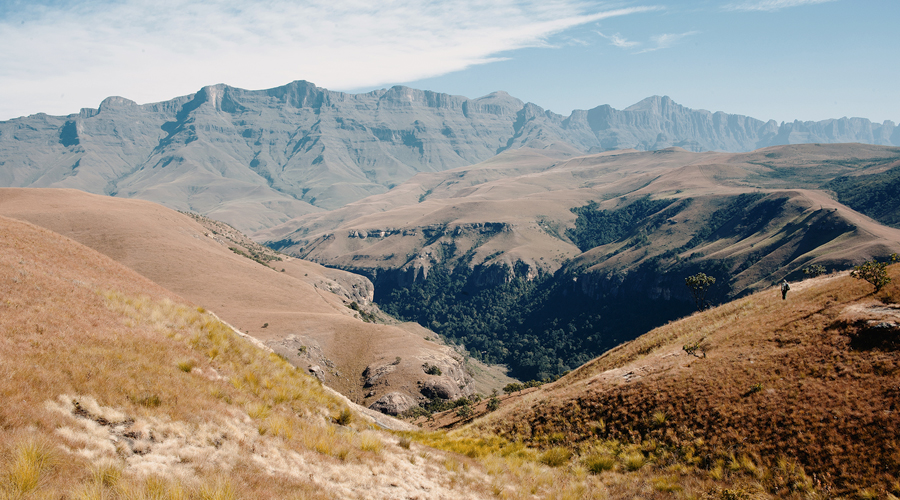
[
  {"x": 115, "y": 387},
  {"x": 311, "y": 315}
]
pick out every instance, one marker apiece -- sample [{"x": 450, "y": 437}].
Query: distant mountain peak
[{"x": 299, "y": 148}]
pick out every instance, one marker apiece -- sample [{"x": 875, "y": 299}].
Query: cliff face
[{"x": 256, "y": 159}]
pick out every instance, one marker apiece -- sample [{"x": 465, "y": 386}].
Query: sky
[{"x": 769, "y": 59}]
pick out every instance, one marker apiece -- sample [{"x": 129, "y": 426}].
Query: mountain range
[{"x": 256, "y": 159}]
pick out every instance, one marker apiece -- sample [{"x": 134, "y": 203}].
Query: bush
[
  {"x": 464, "y": 411},
  {"x": 512, "y": 387},
  {"x": 814, "y": 270},
  {"x": 431, "y": 369},
  {"x": 344, "y": 418},
  {"x": 874, "y": 272},
  {"x": 494, "y": 402}
]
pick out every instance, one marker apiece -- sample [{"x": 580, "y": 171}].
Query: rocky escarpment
[
  {"x": 415, "y": 251},
  {"x": 256, "y": 159}
]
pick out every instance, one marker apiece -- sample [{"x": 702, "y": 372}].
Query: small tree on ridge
[{"x": 699, "y": 284}]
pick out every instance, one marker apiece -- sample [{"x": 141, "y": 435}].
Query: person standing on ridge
[{"x": 784, "y": 289}]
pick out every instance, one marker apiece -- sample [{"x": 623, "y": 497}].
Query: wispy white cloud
[
  {"x": 618, "y": 41},
  {"x": 666, "y": 40},
  {"x": 57, "y": 59},
  {"x": 771, "y": 5},
  {"x": 656, "y": 42}
]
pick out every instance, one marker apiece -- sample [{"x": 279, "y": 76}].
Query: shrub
[
  {"x": 814, "y": 270},
  {"x": 344, "y": 418},
  {"x": 512, "y": 387},
  {"x": 431, "y": 369},
  {"x": 874, "y": 272},
  {"x": 493, "y": 403},
  {"x": 464, "y": 411},
  {"x": 693, "y": 348}
]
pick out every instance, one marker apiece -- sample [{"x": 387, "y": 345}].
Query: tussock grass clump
[
  {"x": 556, "y": 457},
  {"x": 31, "y": 461},
  {"x": 369, "y": 441},
  {"x": 597, "y": 463}
]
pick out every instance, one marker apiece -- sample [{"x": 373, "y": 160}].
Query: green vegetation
[
  {"x": 735, "y": 216},
  {"x": 431, "y": 369},
  {"x": 874, "y": 195},
  {"x": 545, "y": 325},
  {"x": 874, "y": 272},
  {"x": 699, "y": 285},
  {"x": 539, "y": 327},
  {"x": 595, "y": 227},
  {"x": 814, "y": 270},
  {"x": 494, "y": 403}
]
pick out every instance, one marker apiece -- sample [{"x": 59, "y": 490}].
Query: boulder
[
  {"x": 374, "y": 372},
  {"x": 393, "y": 403},
  {"x": 441, "y": 387}
]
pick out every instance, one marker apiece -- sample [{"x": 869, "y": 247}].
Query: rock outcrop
[{"x": 393, "y": 403}]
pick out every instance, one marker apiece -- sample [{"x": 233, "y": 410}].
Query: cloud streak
[
  {"x": 666, "y": 40},
  {"x": 617, "y": 41},
  {"x": 58, "y": 58},
  {"x": 656, "y": 42},
  {"x": 771, "y": 5}
]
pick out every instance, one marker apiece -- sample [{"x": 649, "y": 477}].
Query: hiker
[{"x": 784, "y": 289}]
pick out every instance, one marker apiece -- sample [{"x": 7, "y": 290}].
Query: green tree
[
  {"x": 874, "y": 272},
  {"x": 494, "y": 402},
  {"x": 699, "y": 284}
]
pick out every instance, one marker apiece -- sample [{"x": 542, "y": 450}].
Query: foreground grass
[{"x": 112, "y": 389}]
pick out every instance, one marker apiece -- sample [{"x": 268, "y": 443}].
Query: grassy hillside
[
  {"x": 301, "y": 309},
  {"x": 874, "y": 195},
  {"x": 757, "y": 397},
  {"x": 112, "y": 388}
]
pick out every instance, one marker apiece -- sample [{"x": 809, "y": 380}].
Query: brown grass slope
[
  {"x": 774, "y": 388},
  {"x": 306, "y": 305},
  {"x": 114, "y": 388}
]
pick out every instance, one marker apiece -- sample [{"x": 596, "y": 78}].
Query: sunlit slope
[
  {"x": 305, "y": 305},
  {"x": 793, "y": 394},
  {"x": 115, "y": 388}
]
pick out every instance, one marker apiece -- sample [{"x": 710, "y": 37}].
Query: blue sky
[{"x": 770, "y": 59}]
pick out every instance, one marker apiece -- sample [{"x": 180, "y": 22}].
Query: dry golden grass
[{"x": 113, "y": 388}]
